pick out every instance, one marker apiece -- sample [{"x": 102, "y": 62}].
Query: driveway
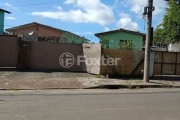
[{"x": 40, "y": 80}]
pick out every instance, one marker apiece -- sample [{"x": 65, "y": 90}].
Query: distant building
[
  {"x": 40, "y": 32},
  {"x": 122, "y": 39},
  {"x": 174, "y": 47},
  {"x": 2, "y": 20}
]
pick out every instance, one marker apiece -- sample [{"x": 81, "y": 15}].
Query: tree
[{"x": 169, "y": 30}]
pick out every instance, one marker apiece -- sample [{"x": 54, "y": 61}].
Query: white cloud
[
  {"x": 160, "y": 6},
  {"x": 115, "y": 5},
  {"x": 122, "y": 14},
  {"x": 87, "y": 11},
  {"x": 137, "y": 6},
  {"x": 10, "y": 18},
  {"x": 59, "y": 8},
  {"x": 106, "y": 29},
  {"x": 127, "y": 23},
  {"x": 69, "y": 1},
  {"x": 136, "y": 9},
  {"x": 9, "y": 5},
  {"x": 124, "y": 3}
]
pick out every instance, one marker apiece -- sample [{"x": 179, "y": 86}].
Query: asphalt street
[{"x": 145, "y": 104}]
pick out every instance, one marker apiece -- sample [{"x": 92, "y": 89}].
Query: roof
[
  {"x": 31, "y": 24},
  {"x": 5, "y": 11},
  {"x": 120, "y": 30},
  {"x": 35, "y": 23}
]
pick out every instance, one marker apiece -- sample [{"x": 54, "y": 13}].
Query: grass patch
[
  {"x": 129, "y": 85},
  {"x": 97, "y": 76},
  {"x": 100, "y": 76},
  {"x": 14, "y": 89}
]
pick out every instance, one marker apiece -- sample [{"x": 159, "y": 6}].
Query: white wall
[{"x": 174, "y": 47}]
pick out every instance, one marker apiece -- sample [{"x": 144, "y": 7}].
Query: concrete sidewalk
[
  {"x": 82, "y": 83},
  {"x": 122, "y": 83},
  {"x": 12, "y": 80}
]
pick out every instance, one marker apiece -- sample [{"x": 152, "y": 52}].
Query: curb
[
  {"x": 101, "y": 87},
  {"x": 131, "y": 87}
]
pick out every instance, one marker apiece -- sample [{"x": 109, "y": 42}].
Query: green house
[
  {"x": 121, "y": 39},
  {"x": 68, "y": 37},
  {"x": 2, "y": 20}
]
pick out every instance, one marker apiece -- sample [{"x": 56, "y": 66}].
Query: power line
[{"x": 135, "y": 15}]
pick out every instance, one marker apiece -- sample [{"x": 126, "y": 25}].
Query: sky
[{"x": 82, "y": 17}]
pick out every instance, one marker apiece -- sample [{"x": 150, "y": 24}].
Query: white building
[{"x": 174, "y": 47}]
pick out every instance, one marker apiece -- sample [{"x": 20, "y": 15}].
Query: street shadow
[
  {"x": 44, "y": 71},
  {"x": 126, "y": 77},
  {"x": 166, "y": 78},
  {"x": 8, "y": 69},
  {"x": 163, "y": 78}
]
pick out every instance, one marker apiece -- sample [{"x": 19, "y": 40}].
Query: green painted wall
[
  {"x": 114, "y": 38},
  {"x": 71, "y": 38},
  {"x": 1, "y": 22}
]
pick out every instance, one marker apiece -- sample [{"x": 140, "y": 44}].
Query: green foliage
[
  {"x": 14, "y": 89},
  {"x": 158, "y": 35},
  {"x": 104, "y": 42},
  {"x": 125, "y": 45},
  {"x": 129, "y": 85},
  {"x": 169, "y": 30},
  {"x": 97, "y": 76},
  {"x": 72, "y": 38}
]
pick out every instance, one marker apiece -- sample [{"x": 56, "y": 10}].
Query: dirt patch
[{"x": 40, "y": 80}]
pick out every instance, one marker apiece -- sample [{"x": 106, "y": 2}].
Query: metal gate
[
  {"x": 8, "y": 51},
  {"x": 92, "y": 51},
  {"x": 167, "y": 63},
  {"x": 46, "y": 56}
]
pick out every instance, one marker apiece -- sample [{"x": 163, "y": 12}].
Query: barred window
[
  {"x": 125, "y": 44},
  {"x": 65, "y": 40}
]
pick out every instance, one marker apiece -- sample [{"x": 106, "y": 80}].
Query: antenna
[
  {"x": 11, "y": 33},
  {"x": 31, "y": 33}
]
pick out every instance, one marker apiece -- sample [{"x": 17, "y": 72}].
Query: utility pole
[{"x": 148, "y": 11}]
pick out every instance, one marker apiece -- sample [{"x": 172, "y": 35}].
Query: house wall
[
  {"x": 39, "y": 30},
  {"x": 174, "y": 47},
  {"x": 1, "y": 22},
  {"x": 70, "y": 38},
  {"x": 113, "y": 38}
]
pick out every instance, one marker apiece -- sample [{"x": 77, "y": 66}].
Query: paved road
[{"x": 146, "y": 104}]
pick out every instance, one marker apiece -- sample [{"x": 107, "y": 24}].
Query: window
[
  {"x": 125, "y": 44},
  {"x": 65, "y": 40},
  {"x": 105, "y": 42}
]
